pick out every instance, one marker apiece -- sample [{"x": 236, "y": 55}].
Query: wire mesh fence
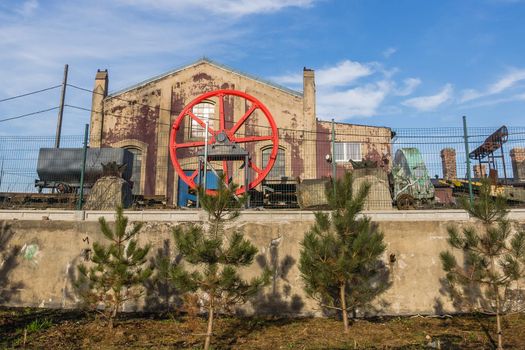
[{"x": 281, "y": 168}]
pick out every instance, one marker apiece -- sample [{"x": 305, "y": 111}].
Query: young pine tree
[
  {"x": 216, "y": 255},
  {"x": 117, "y": 271},
  {"x": 340, "y": 255},
  {"x": 494, "y": 257}
]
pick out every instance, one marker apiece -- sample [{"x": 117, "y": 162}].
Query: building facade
[{"x": 140, "y": 118}]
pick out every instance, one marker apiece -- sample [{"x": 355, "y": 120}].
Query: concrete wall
[{"x": 42, "y": 248}]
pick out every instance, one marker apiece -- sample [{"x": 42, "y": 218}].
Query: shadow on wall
[
  {"x": 160, "y": 294},
  {"x": 8, "y": 256},
  {"x": 279, "y": 301}
]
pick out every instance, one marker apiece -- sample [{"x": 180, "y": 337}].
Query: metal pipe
[
  {"x": 465, "y": 137},
  {"x": 61, "y": 109},
  {"x": 205, "y": 155},
  {"x": 83, "y": 170}
]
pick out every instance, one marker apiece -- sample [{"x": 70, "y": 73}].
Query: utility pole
[
  {"x": 334, "y": 165},
  {"x": 61, "y": 109}
]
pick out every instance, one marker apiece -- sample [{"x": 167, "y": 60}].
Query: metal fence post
[
  {"x": 334, "y": 167},
  {"x": 205, "y": 155},
  {"x": 465, "y": 137},
  {"x": 83, "y": 170}
]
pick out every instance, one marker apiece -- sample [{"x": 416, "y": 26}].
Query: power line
[
  {"x": 28, "y": 114},
  {"x": 416, "y": 131},
  {"x": 30, "y": 93}
]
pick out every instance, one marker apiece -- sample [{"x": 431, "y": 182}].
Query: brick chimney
[
  {"x": 517, "y": 157},
  {"x": 100, "y": 91},
  {"x": 480, "y": 171},
  {"x": 448, "y": 161}
]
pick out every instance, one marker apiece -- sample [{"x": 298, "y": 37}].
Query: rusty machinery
[
  {"x": 484, "y": 154},
  {"x": 228, "y": 150}
]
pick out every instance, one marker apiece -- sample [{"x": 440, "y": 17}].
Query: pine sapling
[
  {"x": 340, "y": 257},
  {"x": 117, "y": 271},
  {"x": 216, "y": 256},
  {"x": 494, "y": 258}
]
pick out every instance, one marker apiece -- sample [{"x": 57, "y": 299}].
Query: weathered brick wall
[
  {"x": 448, "y": 161},
  {"x": 480, "y": 171},
  {"x": 517, "y": 157}
]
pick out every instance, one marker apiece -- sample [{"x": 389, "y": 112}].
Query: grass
[{"x": 59, "y": 329}]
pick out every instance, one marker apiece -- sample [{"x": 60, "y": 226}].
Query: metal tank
[{"x": 61, "y": 168}]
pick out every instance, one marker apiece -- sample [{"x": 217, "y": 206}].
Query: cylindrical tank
[{"x": 64, "y": 165}]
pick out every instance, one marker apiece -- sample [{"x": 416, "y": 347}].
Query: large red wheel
[{"x": 179, "y": 142}]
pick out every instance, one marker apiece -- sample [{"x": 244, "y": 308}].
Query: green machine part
[{"x": 411, "y": 175}]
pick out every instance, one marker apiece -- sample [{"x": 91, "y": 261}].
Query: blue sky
[{"x": 394, "y": 63}]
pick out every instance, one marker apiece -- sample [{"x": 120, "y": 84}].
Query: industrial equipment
[
  {"x": 411, "y": 180},
  {"x": 229, "y": 152},
  {"x": 60, "y": 168},
  {"x": 484, "y": 154}
]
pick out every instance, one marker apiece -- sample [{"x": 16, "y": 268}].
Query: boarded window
[
  {"x": 278, "y": 170},
  {"x": 136, "y": 173},
  {"x": 205, "y": 112},
  {"x": 346, "y": 151}
]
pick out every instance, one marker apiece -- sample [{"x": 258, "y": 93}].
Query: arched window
[
  {"x": 205, "y": 112},
  {"x": 136, "y": 173},
  {"x": 279, "y": 170}
]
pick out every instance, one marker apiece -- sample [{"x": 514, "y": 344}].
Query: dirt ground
[{"x": 54, "y": 329}]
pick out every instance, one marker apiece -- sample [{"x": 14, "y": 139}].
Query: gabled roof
[{"x": 212, "y": 63}]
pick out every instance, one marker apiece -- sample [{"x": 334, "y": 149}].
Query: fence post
[
  {"x": 465, "y": 137},
  {"x": 334, "y": 167},
  {"x": 83, "y": 170}
]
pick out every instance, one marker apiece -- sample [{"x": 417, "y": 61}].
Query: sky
[{"x": 401, "y": 64}]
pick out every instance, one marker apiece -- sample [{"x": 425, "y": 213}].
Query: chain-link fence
[{"x": 408, "y": 168}]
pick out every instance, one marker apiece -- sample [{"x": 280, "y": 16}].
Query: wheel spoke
[
  {"x": 241, "y": 121},
  {"x": 252, "y": 138},
  {"x": 221, "y": 112},
  {"x": 194, "y": 175},
  {"x": 188, "y": 144},
  {"x": 200, "y": 122},
  {"x": 256, "y": 168}
]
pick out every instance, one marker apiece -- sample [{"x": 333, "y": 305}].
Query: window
[
  {"x": 204, "y": 111},
  {"x": 137, "y": 169},
  {"x": 346, "y": 151},
  {"x": 278, "y": 170}
]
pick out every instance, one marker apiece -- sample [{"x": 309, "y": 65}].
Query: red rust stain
[
  {"x": 140, "y": 125},
  {"x": 295, "y": 145},
  {"x": 201, "y": 76}
]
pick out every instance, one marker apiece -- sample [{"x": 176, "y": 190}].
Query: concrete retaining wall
[{"x": 43, "y": 248}]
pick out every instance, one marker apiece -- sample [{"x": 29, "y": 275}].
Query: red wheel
[{"x": 183, "y": 149}]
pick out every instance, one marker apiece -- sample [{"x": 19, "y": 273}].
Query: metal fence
[{"x": 406, "y": 159}]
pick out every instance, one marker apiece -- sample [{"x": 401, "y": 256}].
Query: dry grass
[{"x": 75, "y": 330}]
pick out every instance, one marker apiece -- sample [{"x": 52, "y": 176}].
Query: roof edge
[{"x": 213, "y": 63}]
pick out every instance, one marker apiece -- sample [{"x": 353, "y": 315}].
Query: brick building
[{"x": 140, "y": 118}]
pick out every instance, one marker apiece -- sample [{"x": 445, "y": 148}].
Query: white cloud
[
  {"x": 343, "y": 73},
  {"x": 428, "y": 103},
  {"x": 28, "y": 8},
  {"x": 409, "y": 85},
  {"x": 389, "y": 52},
  {"x": 506, "y": 82},
  {"x": 361, "y": 101},
  {"x": 232, "y": 7}
]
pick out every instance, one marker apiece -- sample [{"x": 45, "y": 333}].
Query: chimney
[
  {"x": 100, "y": 91},
  {"x": 480, "y": 171},
  {"x": 448, "y": 161},
  {"x": 517, "y": 157},
  {"x": 309, "y": 98}
]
